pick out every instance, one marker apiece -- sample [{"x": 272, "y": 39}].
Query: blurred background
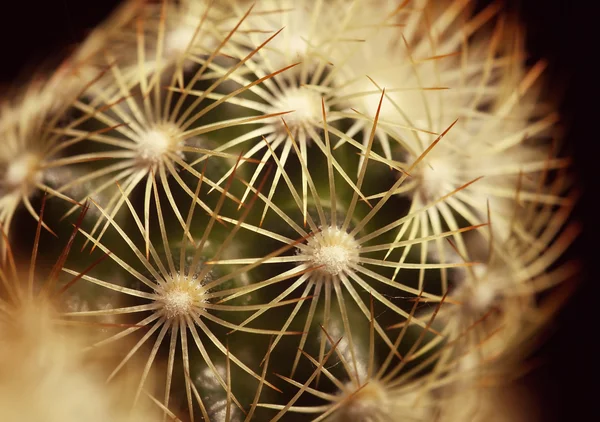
[{"x": 562, "y": 31}]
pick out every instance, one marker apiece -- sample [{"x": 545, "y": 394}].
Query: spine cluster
[{"x": 345, "y": 210}]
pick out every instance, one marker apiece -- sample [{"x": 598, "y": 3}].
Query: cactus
[{"x": 352, "y": 210}]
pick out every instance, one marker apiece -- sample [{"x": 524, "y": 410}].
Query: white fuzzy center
[
  {"x": 482, "y": 297},
  {"x": 155, "y": 144},
  {"x": 305, "y": 107},
  {"x": 333, "y": 251},
  {"x": 297, "y": 46},
  {"x": 437, "y": 176},
  {"x": 180, "y": 295},
  {"x": 178, "y": 40},
  {"x": 22, "y": 171},
  {"x": 479, "y": 295},
  {"x": 177, "y": 303}
]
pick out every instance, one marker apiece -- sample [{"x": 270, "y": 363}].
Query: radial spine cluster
[
  {"x": 328, "y": 210},
  {"x": 333, "y": 251}
]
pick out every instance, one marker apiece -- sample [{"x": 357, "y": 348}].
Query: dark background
[{"x": 563, "y": 31}]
